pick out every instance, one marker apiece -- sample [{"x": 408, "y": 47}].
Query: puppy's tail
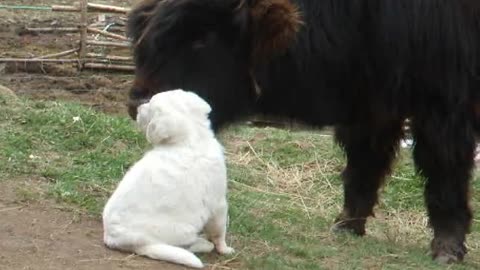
[{"x": 170, "y": 253}]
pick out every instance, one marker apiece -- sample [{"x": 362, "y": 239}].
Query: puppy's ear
[
  {"x": 275, "y": 24},
  {"x": 143, "y": 116},
  {"x": 197, "y": 105},
  {"x": 165, "y": 130}
]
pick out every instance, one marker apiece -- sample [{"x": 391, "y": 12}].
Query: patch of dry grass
[{"x": 300, "y": 196}]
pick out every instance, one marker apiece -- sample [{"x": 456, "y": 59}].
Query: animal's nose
[{"x": 133, "y": 106}]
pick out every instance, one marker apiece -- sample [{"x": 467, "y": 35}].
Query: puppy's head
[{"x": 172, "y": 116}]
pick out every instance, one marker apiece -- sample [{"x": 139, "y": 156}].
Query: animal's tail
[{"x": 170, "y": 253}]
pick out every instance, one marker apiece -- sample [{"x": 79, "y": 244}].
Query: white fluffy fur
[{"x": 176, "y": 191}]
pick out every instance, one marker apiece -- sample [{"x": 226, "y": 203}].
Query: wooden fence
[{"x": 112, "y": 36}]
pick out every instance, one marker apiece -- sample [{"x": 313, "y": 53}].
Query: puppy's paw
[
  {"x": 202, "y": 246},
  {"x": 226, "y": 250}
]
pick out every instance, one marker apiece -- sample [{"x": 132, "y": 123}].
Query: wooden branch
[
  {"x": 7, "y": 60},
  {"x": 83, "y": 31},
  {"x": 109, "y": 66},
  {"x": 110, "y": 29},
  {"x": 117, "y": 29},
  {"x": 107, "y": 8},
  {"x": 53, "y": 29},
  {"x": 64, "y": 53},
  {"x": 105, "y": 33},
  {"x": 91, "y": 7},
  {"x": 110, "y": 57},
  {"x": 106, "y": 61},
  {"x": 66, "y": 8},
  {"x": 108, "y": 43}
]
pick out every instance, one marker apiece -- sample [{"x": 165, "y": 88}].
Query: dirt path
[{"x": 40, "y": 235}]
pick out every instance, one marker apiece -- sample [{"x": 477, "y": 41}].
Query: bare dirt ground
[{"x": 39, "y": 233}]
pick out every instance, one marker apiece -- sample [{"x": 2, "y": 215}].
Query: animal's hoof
[
  {"x": 448, "y": 250},
  {"x": 446, "y": 258},
  {"x": 351, "y": 225}
]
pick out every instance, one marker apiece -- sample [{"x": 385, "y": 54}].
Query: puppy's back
[{"x": 170, "y": 182}]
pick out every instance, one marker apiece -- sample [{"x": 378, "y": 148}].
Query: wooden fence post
[
  {"x": 83, "y": 33},
  {"x": 84, "y": 59}
]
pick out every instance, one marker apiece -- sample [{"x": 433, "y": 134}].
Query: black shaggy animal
[{"x": 363, "y": 66}]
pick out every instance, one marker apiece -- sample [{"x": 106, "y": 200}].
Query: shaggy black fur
[{"x": 362, "y": 66}]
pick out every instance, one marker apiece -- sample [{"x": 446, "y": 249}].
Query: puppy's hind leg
[
  {"x": 216, "y": 230},
  {"x": 170, "y": 253},
  {"x": 158, "y": 241},
  {"x": 201, "y": 245}
]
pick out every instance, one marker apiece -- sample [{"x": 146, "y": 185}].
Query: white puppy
[{"x": 177, "y": 190}]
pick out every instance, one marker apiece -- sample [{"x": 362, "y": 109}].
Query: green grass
[
  {"x": 81, "y": 152},
  {"x": 284, "y": 188}
]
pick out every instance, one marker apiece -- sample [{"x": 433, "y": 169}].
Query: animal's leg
[
  {"x": 216, "y": 230},
  {"x": 370, "y": 152},
  {"x": 175, "y": 234},
  {"x": 444, "y": 155},
  {"x": 160, "y": 242},
  {"x": 165, "y": 252},
  {"x": 201, "y": 245}
]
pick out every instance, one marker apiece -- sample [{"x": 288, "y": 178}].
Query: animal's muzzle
[{"x": 133, "y": 106}]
